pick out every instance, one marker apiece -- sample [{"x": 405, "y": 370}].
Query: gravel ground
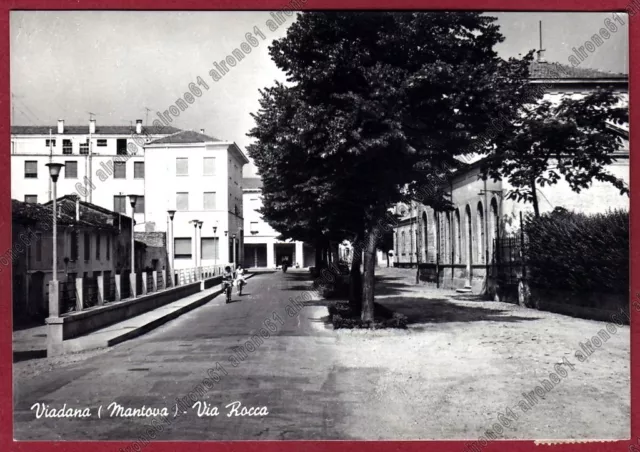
[{"x": 462, "y": 362}]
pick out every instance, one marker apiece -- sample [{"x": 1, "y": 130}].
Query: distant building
[
  {"x": 103, "y": 164},
  {"x": 92, "y": 241},
  {"x": 200, "y": 177},
  {"x": 456, "y": 248},
  {"x": 262, "y": 249}
]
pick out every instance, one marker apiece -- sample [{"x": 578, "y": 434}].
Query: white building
[
  {"x": 261, "y": 246},
  {"x": 103, "y": 164},
  {"x": 200, "y": 177}
]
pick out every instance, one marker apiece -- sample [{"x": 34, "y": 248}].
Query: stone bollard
[
  {"x": 154, "y": 278},
  {"x": 132, "y": 284},
  {"x": 54, "y": 322},
  {"x": 164, "y": 279},
  {"x": 144, "y": 283},
  {"x": 118, "y": 294},
  {"x": 79, "y": 294},
  {"x": 100, "y": 290}
]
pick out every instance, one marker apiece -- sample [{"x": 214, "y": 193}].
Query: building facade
[
  {"x": 92, "y": 241},
  {"x": 456, "y": 248},
  {"x": 262, "y": 249},
  {"x": 200, "y": 178},
  {"x": 103, "y": 164}
]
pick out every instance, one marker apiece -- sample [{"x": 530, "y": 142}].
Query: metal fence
[
  {"x": 67, "y": 296},
  {"x": 508, "y": 260},
  {"x": 90, "y": 292}
]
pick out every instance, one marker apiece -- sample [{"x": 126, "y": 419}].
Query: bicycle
[{"x": 227, "y": 290}]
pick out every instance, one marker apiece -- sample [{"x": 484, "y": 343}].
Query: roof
[
  {"x": 185, "y": 137},
  {"x": 152, "y": 239},
  {"x": 251, "y": 183},
  {"x": 23, "y": 212},
  {"x": 558, "y": 71},
  {"x": 90, "y": 214},
  {"x": 84, "y": 130}
]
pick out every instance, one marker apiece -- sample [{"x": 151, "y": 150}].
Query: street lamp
[
  {"x": 54, "y": 172},
  {"x": 233, "y": 237},
  {"x": 199, "y": 244},
  {"x": 171, "y": 213},
  {"x": 215, "y": 247},
  {"x": 132, "y": 200},
  {"x": 195, "y": 240}
]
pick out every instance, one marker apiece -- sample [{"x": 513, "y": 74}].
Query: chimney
[
  {"x": 541, "y": 56},
  {"x": 60, "y": 126},
  {"x": 92, "y": 126},
  {"x": 138, "y": 126},
  {"x": 202, "y": 131}
]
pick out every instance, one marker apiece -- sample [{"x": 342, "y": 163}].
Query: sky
[{"x": 117, "y": 64}]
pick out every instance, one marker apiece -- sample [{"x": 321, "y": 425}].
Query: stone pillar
[
  {"x": 54, "y": 298},
  {"x": 155, "y": 281},
  {"x": 132, "y": 284},
  {"x": 79, "y": 294},
  {"x": 271, "y": 257},
  {"x": 144, "y": 283},
  {"x": 100, "y": 290},
  {"x": 118, "y": 294},
  {"x": 55, "y": 346},
  {"x": 164, "y": 279},
  {"x": 299, "y": 258}
]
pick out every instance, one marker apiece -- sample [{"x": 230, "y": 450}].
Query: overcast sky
[{"x": 116, "y": 64}]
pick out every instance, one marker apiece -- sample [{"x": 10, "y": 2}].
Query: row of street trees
[{"x": 379, "y": 107}]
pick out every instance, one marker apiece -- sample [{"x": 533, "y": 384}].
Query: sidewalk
[{"x": 31, "y": 343}]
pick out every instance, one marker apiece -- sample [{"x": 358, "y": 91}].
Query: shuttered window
[
  {"x": 209, "y": 166},
  {"x": 182, "y": 201},
  {"x": 182, "y": 248},
  {"x": 182, "y": 166},
  {"x": 209, "y": 201},
  {"x": 210, "y": 248},
  {"x": 119, "y": 170}
]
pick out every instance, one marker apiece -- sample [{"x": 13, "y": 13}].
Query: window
[
  {"x": 38, "y": 246},
  {"x": 74, "y": 246},
  {"x": 30, "y": 169},
  {"x": 84, "y": 148},
  {"x": 70, "y": 169},
  {"x": 404, "y": 243},
  {"x": 108, "y": 247},
  {"x": 254, "y": 227},
  {"x": 119, "y": 170},
  {"x": 67, "y": 147},
  {"x": 98, "y": 246},
  {"x": 120, "y": 204},
  {"x": 209, "y": 166},
  {"x": 138, "y": 170},
  {"x": 182, "y": 248},
  {"x": 182, "y": 166},
  {"x": 101, "y": 143},
  {"x": 87, "y": 246},
  {"x": 31, "y": 199},
  {"x": 182, "y": 201},
  {"x": 210, "y": 248},
  {"x": 209, "y": 200},
  {"x": 139, "y": 205},
  {"x": 480, "y": 232},
  {"x": 121, "y": 146},
  {"x": 51, "y": 143}
]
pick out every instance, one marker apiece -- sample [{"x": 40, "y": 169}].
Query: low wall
[
  {"x": 454, "y": 276},
  {"x": 211, "y": 282},
  {"x": 78, "y": 323}
]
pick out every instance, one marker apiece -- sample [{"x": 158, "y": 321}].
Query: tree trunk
[
  {"x": 355, "y": 283},
  {"x": 534, "y": 195},
  {"x": 369, "y": 272}
]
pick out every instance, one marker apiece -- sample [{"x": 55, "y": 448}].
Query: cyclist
[
  {"x": 240, "y": 281},
  {"x": 227, "y": 282}
]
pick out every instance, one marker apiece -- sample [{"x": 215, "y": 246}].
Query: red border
[{"x": 6, "y": 424}]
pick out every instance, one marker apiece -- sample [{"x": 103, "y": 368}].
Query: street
[{"x": 446, "y": 377}]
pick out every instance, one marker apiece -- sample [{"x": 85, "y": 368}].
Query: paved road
[{"x": 284, "y": 370}]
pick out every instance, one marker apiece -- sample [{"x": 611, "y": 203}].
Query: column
[
  {"x": 79, "y": 294},
  {"x": 100, "y": 290},
  {"x": 271, "y": 258},
  {"x": 299, "y": 258}
]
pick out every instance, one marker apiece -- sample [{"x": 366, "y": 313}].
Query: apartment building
[
  {"x": 262, "y": 249},
  {"x": 102, "y": 163},
  {"x": 200, "y": 178}
]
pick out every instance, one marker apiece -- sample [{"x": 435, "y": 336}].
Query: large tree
[
  {"x": 572, "y": 139},
  {"x": 397, "y": 95}
]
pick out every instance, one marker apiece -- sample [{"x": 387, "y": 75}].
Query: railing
[{"x": 84, "y": 293}]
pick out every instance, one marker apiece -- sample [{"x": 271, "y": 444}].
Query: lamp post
[
  {"x": 173, "y": 251},
  {"x": 54, "y": 172},
  {"x": 195, "y": 242},
  {"x": 199, "y": 245},
  {"x": 233, "y": 237},
  {"x": 132, "y": 200},
  {"x": 215, "y": 249}
]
